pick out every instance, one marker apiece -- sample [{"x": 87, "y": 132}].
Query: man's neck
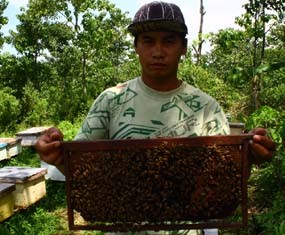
[{"x": 162, "y": 84}]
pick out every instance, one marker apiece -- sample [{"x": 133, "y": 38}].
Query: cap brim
[{"x": 167, "y": 25}]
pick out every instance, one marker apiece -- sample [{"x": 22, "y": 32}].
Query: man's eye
[
  {"x": 170, "y": 40},
  {"x": 147, "y": 41}
]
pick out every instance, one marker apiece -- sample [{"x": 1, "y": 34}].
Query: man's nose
[{"x": 158, "y": 50}]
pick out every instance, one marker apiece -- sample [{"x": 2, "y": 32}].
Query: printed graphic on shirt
[
  {"x": 183, "y": 104},
  {"x": 179, "y": 129},
  {"x": 127, "y": 131},
  {"x": 122, "y": 114}
]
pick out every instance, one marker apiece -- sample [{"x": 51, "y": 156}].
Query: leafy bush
[
  {"x": 268, "y": 179},
  {"x": 9, "y": 110},
  {"x": 68, "y": 129},
  {"x": 35, "y": 108},
  {"x": 232, "y": 101}
]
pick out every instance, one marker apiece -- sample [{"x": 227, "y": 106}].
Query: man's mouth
[{"x": 158, "y": 66}]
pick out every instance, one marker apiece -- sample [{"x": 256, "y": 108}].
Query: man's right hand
[{"x": 49, "y": 147}]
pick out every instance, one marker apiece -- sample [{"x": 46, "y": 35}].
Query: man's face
[{"x": 159, "y": 54}]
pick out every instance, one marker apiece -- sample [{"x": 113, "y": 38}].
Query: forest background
[{"x": 69, "y": 51}]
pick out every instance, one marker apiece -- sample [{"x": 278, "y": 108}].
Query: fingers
[
  {"x": 262, "y": 147},
  {"x": 265, "y": 141},
  {"x": 43, "y": 146},
  {"x": 49, "y": 146},
  {"x": 53, "y": 134},
  {"x": 258, "y": 131},
  {"x": 54, "y": 157},
  {"x": 260, "y": 153}
]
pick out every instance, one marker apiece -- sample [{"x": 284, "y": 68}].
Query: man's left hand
[{"x": 262, "y": 147}]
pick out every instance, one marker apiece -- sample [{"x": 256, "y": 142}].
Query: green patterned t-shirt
[{"x": 133, "y": 110}]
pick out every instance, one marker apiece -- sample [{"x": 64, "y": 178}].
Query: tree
[
  {"x": 198, "y": 50},
  {"x": 260, "y": 17},
  {"x": 3, "y": 19},
  {"x": 73, "y": 46}
]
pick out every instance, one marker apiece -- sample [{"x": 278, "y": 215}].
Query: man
[{"x": 156, "y": 104}]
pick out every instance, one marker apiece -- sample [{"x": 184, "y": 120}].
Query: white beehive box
[
  {"x": 3, "y": 151},
  {"x": 29, "y": 137},
  {"x": 13, "y": 147},
  {"x": 237, "y": 128},
  {"x": 30, "y": 184},
  {"x": 6, "y": 200}
]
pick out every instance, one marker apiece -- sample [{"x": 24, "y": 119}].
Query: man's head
[
  {"x": 159, "y": 30},
  {"x": 158, "y": 16}
]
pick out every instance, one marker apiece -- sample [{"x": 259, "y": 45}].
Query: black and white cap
[{"x": 158, "y": 16}]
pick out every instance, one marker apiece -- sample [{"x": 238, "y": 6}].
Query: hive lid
[
  {"x": 33, "y": 131},
  {"x": 3, "y": 145},
  {"x": 9, "y": 141},
  {"x": 15, "y": 174},
  {"x": 6, "y": 188}
]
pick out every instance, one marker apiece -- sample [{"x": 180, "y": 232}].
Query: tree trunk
[
  {"x": 84, "y": 84},
  {"x": 198, "y": 51},
  {"x": 201, "y": 41}
]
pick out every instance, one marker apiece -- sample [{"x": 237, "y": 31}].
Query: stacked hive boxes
[{"x": 20, "y": 187}]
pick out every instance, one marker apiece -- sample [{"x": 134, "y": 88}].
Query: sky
[{"x": 220, "y": 14}]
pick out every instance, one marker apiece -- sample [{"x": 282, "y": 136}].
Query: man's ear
[
  {"x": 135, "y": 43},
  {"x": 136, "y": 49},
  {"x": 185, "y": 44}
]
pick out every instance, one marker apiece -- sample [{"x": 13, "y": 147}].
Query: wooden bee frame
[{"x": 157, "y": 184}]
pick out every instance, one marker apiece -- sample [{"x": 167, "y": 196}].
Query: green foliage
[
  {"x": 279, "y": 230},
  {"x": 33, "y": 221},
  {"x": 34, "y": 106},
  {"x": 70, "y": 51},
  {"x": 272, "y": 221},
  {"x": 230, "y": 57},
  {"x": 9, "y": 110},
  {"x": 271, "y": 119},
  {"x": 3, "y": 19},
  {"x": 232, "y": 100},
  {"x": 264, "y": 117},
  {"x": 27, "y": 157},
  {"x": 68, "y": 129}
]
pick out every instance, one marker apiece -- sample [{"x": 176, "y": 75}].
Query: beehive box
[
  {"x": 156, "y": 184},
  {"x": 236, "y": 128},
  {"x": 13, "y": 147},
  {"x": 3, "y": 151},
  {"x": 30, "y": 136},
  {"x": 30, "y": 184},
  {"x": 6, "y": 200}
]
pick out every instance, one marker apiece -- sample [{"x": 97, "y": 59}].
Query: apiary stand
[{"x": 80, "y": 155}]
